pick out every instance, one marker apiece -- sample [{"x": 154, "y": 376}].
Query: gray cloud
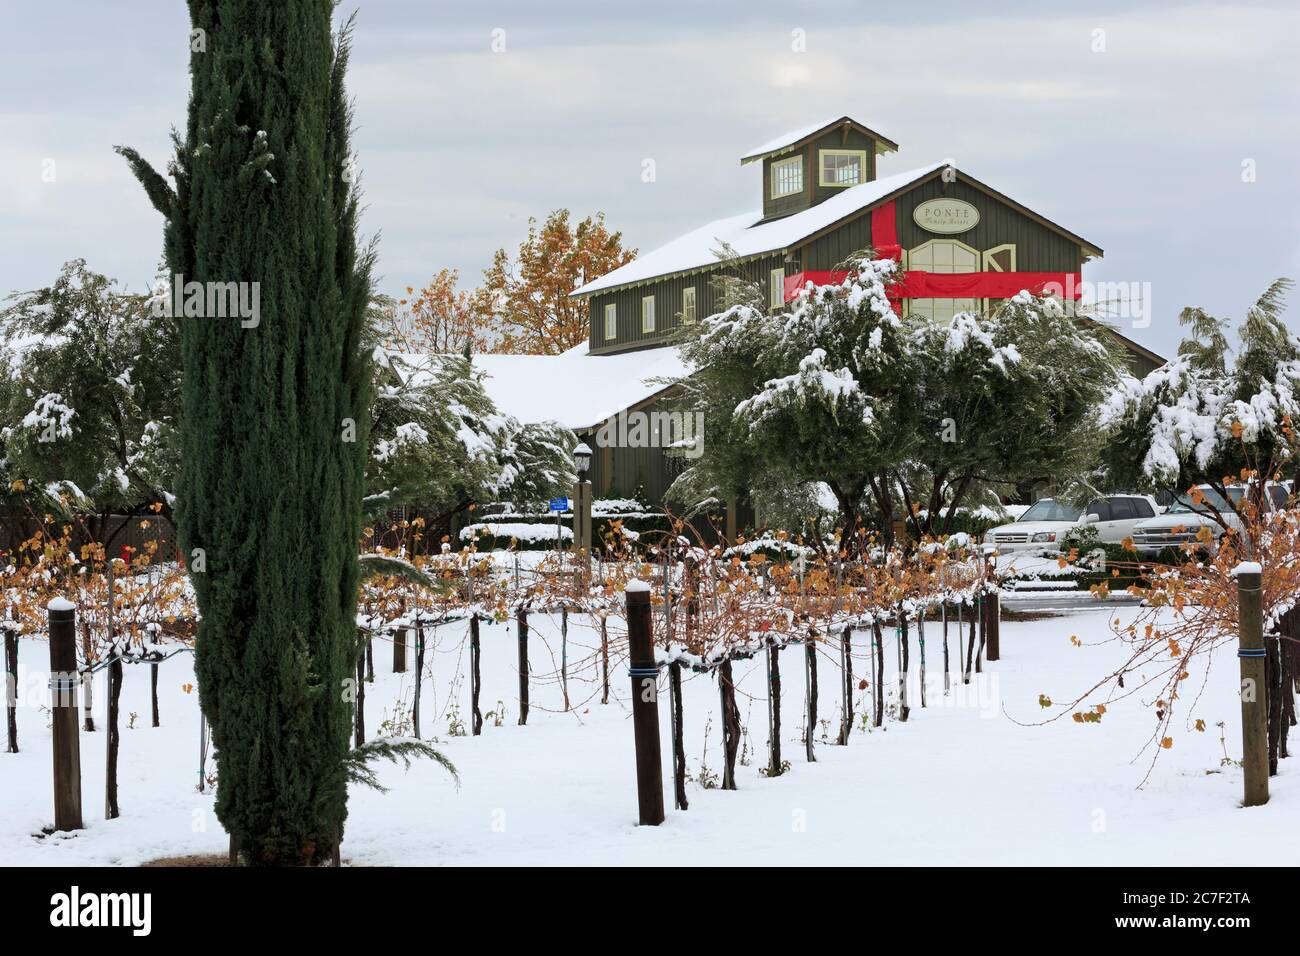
[{"x": 1138, "y": 148}]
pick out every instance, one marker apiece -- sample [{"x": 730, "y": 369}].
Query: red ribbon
[{"x": 915, "y": 284}]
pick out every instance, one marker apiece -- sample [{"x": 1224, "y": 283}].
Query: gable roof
[
  {"x": 574, "y": 388},
  {"x": 750, "y": 236},
  {"x": 796, "y": 138}
]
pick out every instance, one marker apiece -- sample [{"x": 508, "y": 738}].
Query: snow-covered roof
[
  {"x": 796, "y": 136},
  {"x": 575, "y": 389},
  {"x": 748, "y": 235}
]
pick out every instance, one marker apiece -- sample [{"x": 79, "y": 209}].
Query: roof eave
[{"x": 889, "y": 146}]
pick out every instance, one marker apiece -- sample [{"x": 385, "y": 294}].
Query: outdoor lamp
[{"x": 582, "y": 458}]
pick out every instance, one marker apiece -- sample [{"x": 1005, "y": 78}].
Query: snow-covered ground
[{"x": 961, "y": 782}]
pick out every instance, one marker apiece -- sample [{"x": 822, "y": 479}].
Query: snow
[
  {"x": 966, "y": 780},
  {"x": 1248, "y": 567},
  {"x": 789, "y": 139},
  {"x": 521, "y": 532},
  {"x": 749, "y": 236},
  {"x": 576, "y": 389},
  {"x": 636, "y": 586},
  {"x": 60, "y": 603}
]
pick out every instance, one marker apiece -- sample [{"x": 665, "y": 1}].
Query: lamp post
[{"x": 582, "y": 501}]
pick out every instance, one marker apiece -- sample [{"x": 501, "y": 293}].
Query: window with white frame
[
  {"x": 787, "y": 177},
  {"x": 946, "y": 257},
  {"x": 611, "y": 321},
  {"x": 776, "y": 288},
  {"x": 843, "y": 167},
  {"x": 648, "y": 314},
  {"x": 688, "y": 304}
]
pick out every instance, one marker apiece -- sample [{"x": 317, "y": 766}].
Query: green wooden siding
[
  {"x": 813, "y": 192},
  {"x": 668, "y": 305},
  {"x": 1038, "y": 249}
]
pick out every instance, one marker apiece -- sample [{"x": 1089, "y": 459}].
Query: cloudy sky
[{"x": 1167, "y": 133}]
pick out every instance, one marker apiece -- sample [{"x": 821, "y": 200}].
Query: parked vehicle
[
  {"x": 1182, "y": 521},
  {"x": 1041, "y": 527}
]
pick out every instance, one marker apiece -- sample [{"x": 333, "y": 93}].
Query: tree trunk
[
  {"x": 604, "y": 662},
  {"x": 370, "y": 660},
  {"x": 114, "y": 739},
  {"x": 903, "y": 654},
  {"x": 878, "y": 698},
  {"x": 920, "y": 644},
  {"x": 521, "y": 621},
  {"x": 730, "y": 724},
  {"x": 475, "y": 678},
  {"x": 87, "y": 679},
  {"x": 846, "y": 668},
  {"x": 947, "y": 680},
  {"x": 970, "y": 642},
  {"x": 419, "y": 679},
  {"x": 810, "y": 668},
  {"x": 11, "y": 690},
  {"x": 774, "y": 706},
  {"x": 679, "y": 744},
  {"x": 359, "y": 705}
]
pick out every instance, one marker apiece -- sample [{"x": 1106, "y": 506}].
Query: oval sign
[{"x": 946, "y": 216}]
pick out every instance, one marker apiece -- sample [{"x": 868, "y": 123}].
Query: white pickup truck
[
  {"x": 1041, "y": 527},
  {"x": 1182, "y": 521}
]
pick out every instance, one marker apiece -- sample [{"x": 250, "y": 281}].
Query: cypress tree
[{"x": 274, "y": 411}]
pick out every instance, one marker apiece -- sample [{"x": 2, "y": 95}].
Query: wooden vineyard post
[
  {"x": 11, "y": 690},
  {"x": 1254, "y": 698},
  {"x": 645, "y": 705},
  {"x": 810, "y": 693},
  {"x": 399, "y": 651},
  {"x": 475, "y": 677},
  {"x": 87, "y": 679},
  {"x": 992, "y": 622},
  {"x": 521, "y": 622},
  {"x": 153, "y": 691},
  {"x": 64, "y": 717},
  {"x": 846, "y": 670}
]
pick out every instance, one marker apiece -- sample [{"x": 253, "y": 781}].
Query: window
[
  {"x": 787, "y": 177},
  {"x": 943, "y": 256},
  {"x": 611, "y": 321},
  {"x": 1142, "y": 508},
  {"x": 1121, "y": 509},
  {"x": 648, "y": 314},
  {"x": 1100, "y": 508},
  {"x": 776, "y": 288},
  {"x": 843, "y": 167},
  {"x": 1000, "y": 258},
  {"x": 941, "y": 310},
  {"x": 688, "y": 304},
  {"x": 1049, "y": 509}
]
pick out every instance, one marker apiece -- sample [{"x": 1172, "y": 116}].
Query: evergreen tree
[
  {"x": 87, "y": 412},
  {"x": 1197, "y": 419},
  {"x": 274, "y": 411}
]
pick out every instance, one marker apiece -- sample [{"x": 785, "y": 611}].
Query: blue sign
[{"x": 559, "y": 504}]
